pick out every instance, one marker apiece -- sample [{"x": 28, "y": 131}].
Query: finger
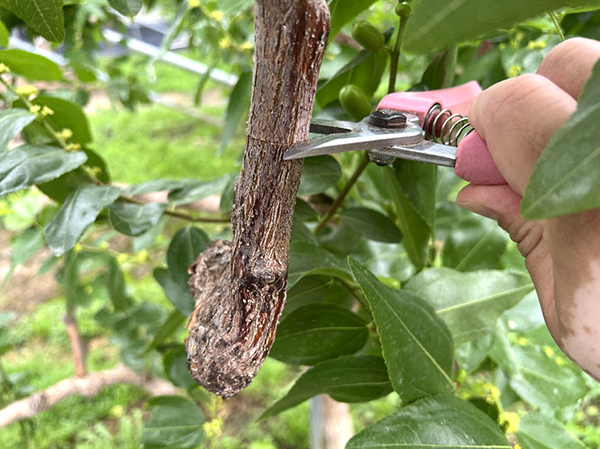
[
  {"x": 501, "y": 203},
  {"x": 569, "y": 64},
  {"x": 517, "y": 118}
]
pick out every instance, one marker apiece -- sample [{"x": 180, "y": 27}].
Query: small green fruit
[
  {"x": 403, "y": 9},
  {"x": 355, "y": 101},
  {"x": 368, "y": 36}
]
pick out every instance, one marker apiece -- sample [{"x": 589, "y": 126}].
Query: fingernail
[{"x": 479, "y": 209}]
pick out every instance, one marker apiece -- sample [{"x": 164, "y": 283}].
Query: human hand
[{"x": 517, "y": 118}]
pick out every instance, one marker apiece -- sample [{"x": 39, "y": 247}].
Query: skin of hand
[{"x": 517, "y": 118}]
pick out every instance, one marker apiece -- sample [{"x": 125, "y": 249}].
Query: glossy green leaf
[
  {"x": 417, "y": 346},
  {"x": 416, "y": 232},
  {"x": 12, "y": 121},
  {"x": 304, "y": 212},
  {"x": 364, "y": 71},
  {"x": 135, "y": 219},
  {"x": 469, "y": 303},
  {"x": 526, "y": 315},
  {"x": 311, "y": 289},
  {"x": 176, "y": 292},
  {"x": 345, "y": 11},
  {"x": 127, "y": 7},
  {"x": 537, "y": 431},
  {"x": 174, "y": 322},
  {"x": 176, "y": 422},
  {"x": 67, "y": 115},
  {"x": 542, "y": 382},
  {"x": 371, "y": 224},
  {"x": 78, "y": 211},
  {"x": 440, "y": 72},
  {"x": 438, "y": 24},
  {"x": 44, "y": 16},
  {"x": 319, "y": 174},
  {"x": 35, "y": 164},
  {"x": 307, "y": 258},
  {"x": 474, "y": 243},
  {"x": 31, "y": 66},
  {"x": 98, "y": 165},
  {"x": 148, "y": 238},
  {"x": 387, "y": 260},
  {"x": 226, "y": 203},
  {"x": 300, "y": 233},
  {"x": 198, "y": 190},
  {"x": 176, "y": 368},
  {"x": 157, "y": 185},
  {"x": 418, "y": 181},
  {"x": 351, "y": 378},
  {"x": 436, "y": 421},
  {"x": 472, "y": 353},
  {"x": 239, "y": 104},
  {"x": 185, "y": 247},
  {"x": 318, "y": 332},
  {"x": 565, "y": 179},
  {"x": 4, "y": 35}
]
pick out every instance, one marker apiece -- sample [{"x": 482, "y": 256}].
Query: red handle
[{"x": 473, "y": 160}]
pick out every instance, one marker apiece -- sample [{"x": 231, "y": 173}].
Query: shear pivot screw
[{"x": 387, "y": 118}]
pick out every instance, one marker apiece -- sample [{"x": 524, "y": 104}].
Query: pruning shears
[{"x": 421, "y": 126}]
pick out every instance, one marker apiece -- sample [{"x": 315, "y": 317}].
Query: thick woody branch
[
  {"x": 240, "y": 286},
  {"x": 89, "y": 386}
]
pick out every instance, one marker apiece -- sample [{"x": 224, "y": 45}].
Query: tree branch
[
  {"x": 89, "y": 386},
  {"x": 77, "y": 347},
  {"x": 240, "y": 287}
]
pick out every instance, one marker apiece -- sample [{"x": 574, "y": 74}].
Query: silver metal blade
[
  {"x": 362, "y": 139},
  {"x": 429, "y": 152},
  {"x": 331, "y": 126}
]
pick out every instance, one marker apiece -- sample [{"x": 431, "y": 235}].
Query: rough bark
[
  {"x": 240, "y": 287},
  {"x": 89, "y": 386}
]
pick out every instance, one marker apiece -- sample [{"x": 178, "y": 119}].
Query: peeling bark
[{"x": 240, "y": 287}]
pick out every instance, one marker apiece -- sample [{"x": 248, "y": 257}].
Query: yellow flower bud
[
  {"x": 46, "y": 111},
  {"x": 193, "y": 4},
  {"x": 4, "y": 68},
  {"x": 217, "y": 15},
  {"x": 27, "y": 90}
]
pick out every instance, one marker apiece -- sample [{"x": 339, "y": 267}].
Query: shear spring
[{"x": 442, "y": 126}]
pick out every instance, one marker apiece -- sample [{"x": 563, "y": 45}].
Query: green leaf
[
  {"x": 469, "y": 303},
  {"x": 417, "y": 346},
  {"x": 440, "y": 72},
  {"x": 226, "y": 203},
  {"x": 97, "y": 164},
  {"x": 117, "y": 290},
  {"x": 174, "y": 322},
  {"x": 12, "y": 122},
  {"x": 371, "y": 224},
  {"x": 127, "y": 7},
  {"x": 301, "y": 233},
  {"x": 416, "y": 233},
  {"x": 4, "y": 35},
  {"x": 385, "y": 260},
  {"x": 31, "y": 66},
  {"x": 176, "y": 293},
  {"x": 344, "y": 11},
  {"x": 70, "y": 280},
  {"x": 418, "y": 181},
  {"x": 474, "y": 243},
  {"x": 198, "y": 190},
  {"x": 364, "y": 71},
  {"x": 79, "y": 210},
  {"x": 35, "y": 164},
  {"x": 537, "y": 431},
  {"x": 565, "y": 179},
  {"x": 157, "y": 185},
  {"x": 185, "y": 247},
  {"x": 307, "y": 258},
  {"x": 67, "y": 115},
  {"x": 352, "y": 378},
  {"x": 135, "y": 219},
  {"x": 239, "y": 104},
  {"x": 176, "y": 422},
  {"x": 318, "y": 332},
  {"x": 542, "y": 382},
  {"x": 436, "y": 421},
  {"x": 44, "y": 16},
  {"x": 23, "y": 246},
  {"x": 176, "y": 368},
  {"x": 319, "y": 174},
  {"x": 439, "y": 24},
  {"x": 147, "y": 239}
]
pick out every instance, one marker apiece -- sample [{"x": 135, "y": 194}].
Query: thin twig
[
  {"x": 395, "y": 56},
  {"x": 181, "y": 215},
  {"x": 338, "y": 201},
  {"x": 557, "y": 25}
]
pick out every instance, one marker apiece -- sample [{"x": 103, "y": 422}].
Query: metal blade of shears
[{"x": 426, "y": 151}]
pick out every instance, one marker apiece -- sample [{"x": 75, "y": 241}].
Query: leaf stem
[
  {"x": 557, "y": 25},
  {"x": 181, "y": 215},
  {"x": 395, "y": 54},
  {"x": 338, "y": 201},
  {"x": 357, "y": 293}
]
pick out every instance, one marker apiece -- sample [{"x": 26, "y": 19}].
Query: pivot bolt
[{"x": 387, "y": 118}]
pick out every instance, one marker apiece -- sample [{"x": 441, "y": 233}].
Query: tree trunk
[
  {"x": 240, "y": 287},
  {"x": 330, "y": 423}
]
